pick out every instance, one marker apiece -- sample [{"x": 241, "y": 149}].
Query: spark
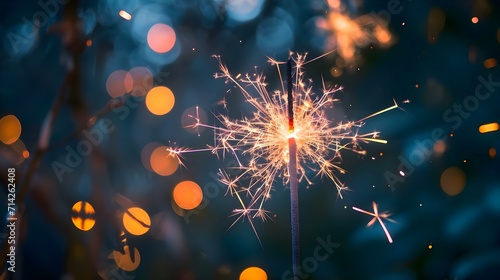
[
  {"x": 259, "y": 141},
  {"x": 377, "y": 217}
]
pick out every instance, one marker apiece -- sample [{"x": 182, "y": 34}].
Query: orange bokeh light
[
  {"x": 118, "y": 83},
  {"x": 188, "y": 195},
  {"x": 490, "y": 63},
  {"x": 161, "y": 38},
  {"x": 160, "y": 100},
  {"x": 83, "y": 214},
  {"x": 10, "y": 129},
  {"x": 124, "y": 261},
  {"x": 253, "y": 273},
  {"x": 492, "y": 152},
  {"x": 453, "y": 181},
  {"x": 475, "y": 20},
  {"x": 146, "y": 154},
  {"x": 162, "y": 162},
  {"x": 489, "y": 127},
  {"x": 136, "y": 221}
]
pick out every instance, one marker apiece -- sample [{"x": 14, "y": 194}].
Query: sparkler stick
[{"x": 292, "y": 171}]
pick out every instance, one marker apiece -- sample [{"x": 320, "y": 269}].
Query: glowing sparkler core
[{"x": 264, "y": 137}]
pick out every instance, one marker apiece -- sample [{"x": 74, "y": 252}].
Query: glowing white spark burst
[
  {"x": 259, "y": 141},
  {"x": 377, "y": 217}
]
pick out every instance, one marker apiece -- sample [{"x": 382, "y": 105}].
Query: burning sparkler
[{"x": 286, "y": 136}]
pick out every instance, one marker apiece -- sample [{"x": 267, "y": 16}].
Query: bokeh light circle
[
  {"x": 142, "y": 80},
  {"x": 161, "y": 38},
  {"x": 453, "y": 181},
  {"x": 119, "y": 83},
  {"x": 160, "y": 100},
  {"x": 83, "y": 215},
  {"x": 187, "y": 195},
  {"x": 124, "y": 261},
  {"x": 136, "y": 221},
  {"x": 10, "y": 129},
  {"x": 162, "y": 162},
  {"x": 253, "y": 273}
]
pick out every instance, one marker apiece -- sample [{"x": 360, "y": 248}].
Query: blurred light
[
  {"x": 253, "y": 273},
  {"x": 188, "y": 195},
  {"x": 439, "y": 147},
  {"x": 401, "y": 173},
  {"x": 160, "y": 100},
  {"x": 435, "y": 24},
  {"x": 146, "y": 154},
  {"x": 161, "y": 38},
  {"x": 14, "y": 154},
  {"x": 142, "y": 80},
  {"x": 83, "y": 215},
  {"x": 453, "y": 181},
  {"x": 336, "y": 72},
  {"x": 382, "y": 35},
  {"x": 492, "y": 152},
  {"x": 119, "y": 83},
  {"x": 474, "y": 20},
  {"x": 162, "y": 162},
  {"x": 489, "y": 127},
  {"x": 124, "y": 261},
  {"x": 242, "y": 11},
  {"x": 430, "y": 246},
  {"x": 416, "y": 86},
  {"x": 136, "y": 221},
  {"x": 88, "y": 43},
  {"x": 10, "y": 129},
  {"x": 490, "y": 63},
  {"x": 191, "y": 116},
  {"x": 147, "y": 16},
  {"x": 125, "y": 15}
]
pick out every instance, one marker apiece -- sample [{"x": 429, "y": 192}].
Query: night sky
[{"x": 98, "y": 103}]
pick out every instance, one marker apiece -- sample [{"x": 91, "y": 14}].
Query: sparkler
[{"x": 288, "y": 137}]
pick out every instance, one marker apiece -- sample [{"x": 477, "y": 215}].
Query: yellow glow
[
  {"x": 160, "y": 100},
  {"x": 453, "y": 181},
  {"x": 253, "y": 273},
  {"x": 125, "y": 15},
  {"x": 430, "y": 246},
  {"x": 124, "y": 261},
  {"x": 83, "y": 214},
  {"x": 136, "y": 221},
  {"x": 489, "y": 127},
  {"x": 163, "y": 162},
  {"x": 10, "y": 129},
  {"x": 161, "y": 38},
  {"x": 188, "y": 195}
]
